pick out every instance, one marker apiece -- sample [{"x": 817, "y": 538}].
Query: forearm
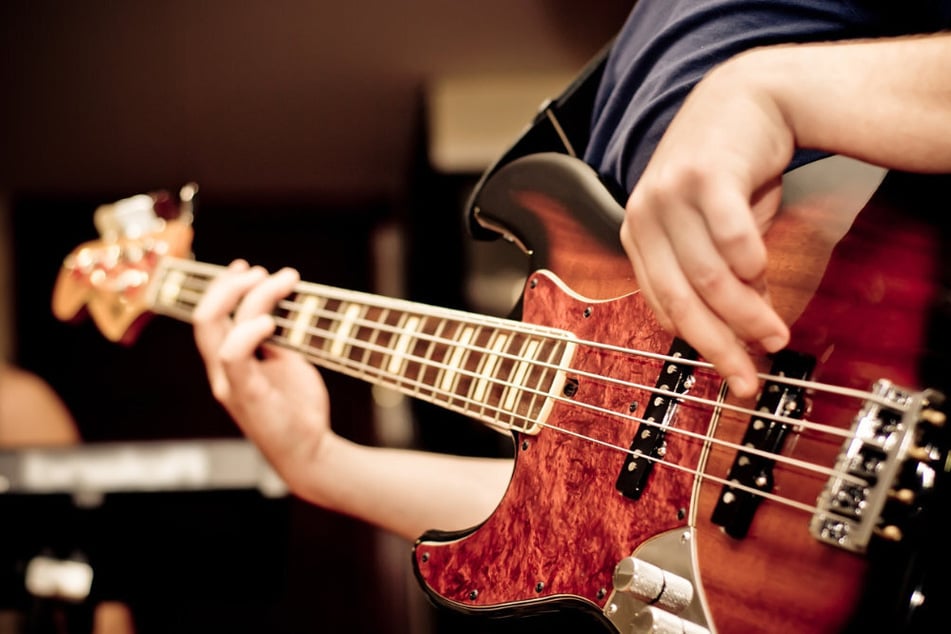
[
  {"x": 281, "y": 404},
  {"x": 402, "y": 491},
  {"x": 885, "y": 101}
]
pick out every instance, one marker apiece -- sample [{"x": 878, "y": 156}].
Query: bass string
[
  {"x": 196, "y": 286},
  {"x": 466, "y": 406}
]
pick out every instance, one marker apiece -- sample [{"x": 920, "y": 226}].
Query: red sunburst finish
[{"x": 562, "y": 526}]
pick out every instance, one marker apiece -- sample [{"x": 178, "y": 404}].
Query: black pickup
[
  {"x": 754, "y": 472},
  {"x": 648, "y": 445}
]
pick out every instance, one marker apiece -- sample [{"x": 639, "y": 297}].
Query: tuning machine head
[{"x": 145, "y": 214}]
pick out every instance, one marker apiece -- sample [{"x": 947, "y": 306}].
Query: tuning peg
[
  {"x": 891, "y": 533},
  {"x": 905, "y": 496},
  {"x": 919, "y": 453},
  {"x": 934, "y": 417},
  {"x": 131, "y": 217},
  {"x": 188, "y": 195},
  {"x": 930, "y": 413}
]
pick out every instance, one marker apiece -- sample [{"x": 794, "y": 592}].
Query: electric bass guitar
[{"x": 644, "y": 493}]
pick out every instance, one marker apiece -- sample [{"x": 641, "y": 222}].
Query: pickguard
[{"x": 562, "y": 526}]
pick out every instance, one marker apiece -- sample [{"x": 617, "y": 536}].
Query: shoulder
[{"x": 31, "y": 412}]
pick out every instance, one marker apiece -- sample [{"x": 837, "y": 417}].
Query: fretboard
[{"x": 502, "y": 372}]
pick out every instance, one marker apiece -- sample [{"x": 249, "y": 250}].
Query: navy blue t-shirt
[{"x": 666, "y": 46}]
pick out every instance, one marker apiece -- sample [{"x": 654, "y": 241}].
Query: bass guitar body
[{"x": 651, "y": 498}]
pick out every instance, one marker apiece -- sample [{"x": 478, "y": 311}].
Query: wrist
[
  {"x": 321, "y": 468},
  {"x": 765, "y": 82}
]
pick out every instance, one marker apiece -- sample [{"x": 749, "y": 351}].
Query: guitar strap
[{"x": 562, "y": 124}]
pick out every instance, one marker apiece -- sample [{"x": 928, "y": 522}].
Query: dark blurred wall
[
  {"x": 290, "y": 95},
  {"x": 300, "y": 121}
]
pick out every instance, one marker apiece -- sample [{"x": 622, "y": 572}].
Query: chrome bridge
[{"x": 886, "y": 464}]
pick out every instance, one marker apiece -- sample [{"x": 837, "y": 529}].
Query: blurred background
[{"x": 336, "y": 137}]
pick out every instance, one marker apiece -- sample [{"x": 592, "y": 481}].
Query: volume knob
[{"x": 652, "y": 585}]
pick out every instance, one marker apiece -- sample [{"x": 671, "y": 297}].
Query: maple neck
[{"x": 502, "y": 372}]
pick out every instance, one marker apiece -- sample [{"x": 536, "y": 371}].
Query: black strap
[{"x": 562, "y": 124}]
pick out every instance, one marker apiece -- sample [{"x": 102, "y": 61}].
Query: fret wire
[
  {"x": 418, "y": 341},
  {"x": 481, "y": 345},
  {"x": 630, "y": 418},
  {"x": 487, "y": 364},
  {"x": 212, "y": 270},
  {"x": 538, "y": 423},
  {"x": 524, "y": 397},
  {"x": 482, "y": 378},
  {"x": 532, "y": 376},
  {"x": 186, "y": 295},
  {"x": 415, "y": 307},
  {"x": 461, "y": 335},
  {"x": 341, "y": 334},
  {"x": 401, "y": 342},
  {"x": 506, "y": 397},
  {"x": 408, "y": 365},
  {"x": 326, "y": 319},
  {"x": 534, "y": 379},
  {"x": 342, "y": 367},
  {"x": 440, "y": 365},
  {"x": 552, "y": 397},
  {"x": 358, "y": 323},
  {"x": 559, "y": 336},
  {"x": 496, "y": 401},
  {"x": 479, "y": 357},
  {"x": 444, "y": 347},
  {"x": 374, "y": 335},
  {"x": 436, "y": 343},
  {"x": 157, "y": 291},
  {"x": 844, "y": 392},
  {"x": 495, "y": 389},
  {"x": 524, "y": 372},
  {"x": 345, "y": 365},
  {"x": 407, "y": 325},
  {"x": 508, "y": 357},
  {"x": 330, "y": 292},
  {"x": 644, "y": 355},
  {"x": 462, "y": 379},
  {"x": 186, "y": 315},
  {"x": 353, "y": 329},
  {"x": 436, "y": 339},
  {"x": 304, "y": 318}
]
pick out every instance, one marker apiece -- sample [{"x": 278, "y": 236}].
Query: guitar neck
[{"x": 501, "y": 372}]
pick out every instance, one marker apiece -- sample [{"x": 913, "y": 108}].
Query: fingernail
[
  {"x": 773, "y": 343},
  {"x": 740, "y": 386}
]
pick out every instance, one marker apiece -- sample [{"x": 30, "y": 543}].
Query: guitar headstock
[{"x": 110, "y": 278}]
